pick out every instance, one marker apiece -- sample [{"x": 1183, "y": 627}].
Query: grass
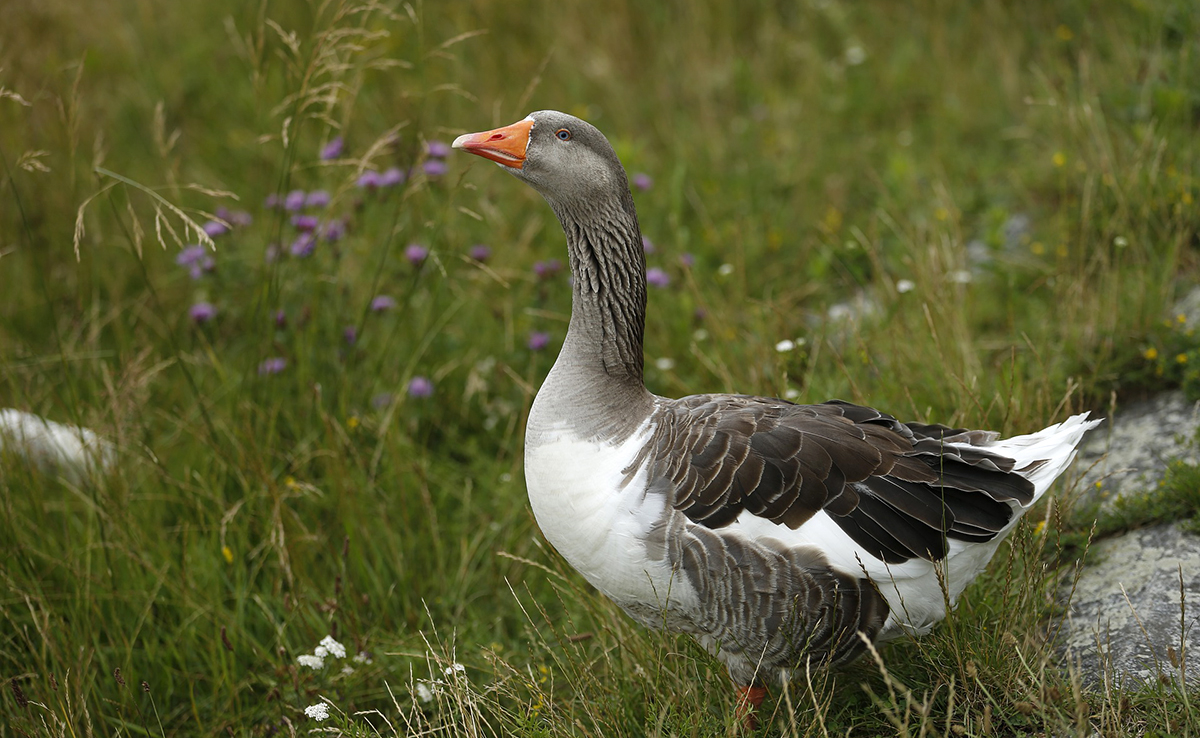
[{"x": 1031, "y": 170}]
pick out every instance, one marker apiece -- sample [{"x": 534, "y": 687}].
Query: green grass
[{"x": 821, "y": 150}]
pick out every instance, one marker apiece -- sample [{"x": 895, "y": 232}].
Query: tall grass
[{"x": 1010, "y": 189}]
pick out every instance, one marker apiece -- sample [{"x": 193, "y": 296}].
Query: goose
[{"x": 781, "y": 536}]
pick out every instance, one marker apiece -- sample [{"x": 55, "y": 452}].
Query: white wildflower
[
  {"x": 855, "y": 55},
  {"x": 791, "y": 393},
  {"x": 961, "y": 276},
  {"x": 312, "y": 661},
  {"x": 332, "y": 647},
  {"x": 725, "y": 270},
  {"x": 362, "y": 657},
  {"x": 665, "y": 364},
  {"x": 454, "y": 669},
  {"x": 699, "y": 334},
  {"x": 425, "y": 691},
  {"x": 785, "y": 345},
  {"x": 319, "y": 711},
  {"x": 841, "y": 311},
  {"x": 347, "y": 670},
  {"x": 905, "y": 285},
  {"x": 1120, "y": 242}
]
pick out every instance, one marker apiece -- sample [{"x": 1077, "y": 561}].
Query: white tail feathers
[
  {"x": 1053, "y": 447},
  {"x": 73, "y": 452}
]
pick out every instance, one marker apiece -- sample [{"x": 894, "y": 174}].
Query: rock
[
  {"x": 1126, "y": 618},
  {"x": 1129, "y": 455}
]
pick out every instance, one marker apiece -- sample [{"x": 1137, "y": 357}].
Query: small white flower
[
  {"x": 961, "y": 276},
  {"x": 791, "y": 393},
  {"x": 347, "y": 669},
  {"x": 665, "y": 364},
  {"x": 312, "y": 661},
  {"x": 905, "y": 285},
  {"x": 424, "y": 692},
  {"x": 319, "y": 711},
  {"x": 454, "y": 669},
  {"x": 362, "y": 657},
  {"x": 855, "y": 55},
  {"x": 840, "y": 311},
  {"x": 1120, "y": 242},
  {"x": 699, "y": 334},
  {"x": 332, "y": 647},
  {"x": 320, "y": 652},
  {"x": 785, "y": 345},
  {"x": 725, "y": 270}
]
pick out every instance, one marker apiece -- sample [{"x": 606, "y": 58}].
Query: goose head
[{"x": 564, "y": 158}]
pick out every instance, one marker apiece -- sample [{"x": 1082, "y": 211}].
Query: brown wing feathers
[{"x": 896, "y": 489}]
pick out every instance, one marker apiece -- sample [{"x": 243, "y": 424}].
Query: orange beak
[{"x": 503, "y": 145}]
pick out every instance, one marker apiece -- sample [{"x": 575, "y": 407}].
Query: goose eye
[{"x": 563, "y": 134}]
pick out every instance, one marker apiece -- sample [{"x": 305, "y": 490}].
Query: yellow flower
[
  {"x": 1059, "y": 158},
  {"x": 227, "y": 552},
  {"x": 1150, "y": 354},
  {"x": 352, "y": 422},
  {"x": 1181, "y": 358},
  {"x": 1037, "y": 247},
  {"x": 941, "y": 213},
  {"x": 1039, "y": 528},
  {"x": 1186, "y": 198},
  {"x": 290, "y": 482},
  {"x": 1181, "y": 318},
  {"x": 1064, "y": 33}
]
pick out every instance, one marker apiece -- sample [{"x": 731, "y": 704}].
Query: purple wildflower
[
  {"x": 434, "y": 167},
  {"x": 538, "y": 340},
  {"x": 420, "y": 387},
  {"x": 381, "y": 400},
  {"x": 647, "y": 245},
  {"x": 215, "y": 228},
  {"x": 382, "y": 303},
  {"x": 316, "y": 199},
  {"x": 333, "y": 149},
  {"x": 202, "y": 312},
  {"x": 480, "y": 252},
  {"x": 368, "y": 179},
  {"x": 240, "y": 218},
  {"x": 350, "y": 333},
  {"x": 274, "y": 365},
  {"x": 392, "y": 176},
  {"x": 687, "y": 260},
  {"x": 547, "y": 269},
  {"x": 335, "y": 229},
  {"x": 306, "y": 223},
  {"x": 303, "y": 245},
  {"x": 657, "y": 277},
  {"x": 190, "y": 255},
  {"x": 271, "y": 202},
  {"x": 416, "y": 253},
  {"x": 437, "y": 149},
  {"x": 642, "y": 181},
  {"x": 294, "y": 200},
  {"x": 280, "y": 319}
]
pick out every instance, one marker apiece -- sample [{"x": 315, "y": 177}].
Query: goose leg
[{"x": 749, "y": 699}]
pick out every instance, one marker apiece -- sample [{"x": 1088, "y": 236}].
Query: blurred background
[{"x": 235, "y": 244}]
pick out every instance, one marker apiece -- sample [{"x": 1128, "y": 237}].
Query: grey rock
[
  {"x": 1129, "y": 617},
  {"x": 1129, "y": 455}
]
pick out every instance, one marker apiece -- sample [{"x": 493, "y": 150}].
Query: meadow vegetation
[{"x": 972, "y": 213}]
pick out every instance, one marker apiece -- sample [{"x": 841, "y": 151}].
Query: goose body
[{"x": 774, "y": 533}]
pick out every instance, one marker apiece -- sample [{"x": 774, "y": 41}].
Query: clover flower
[
  {"x": 382, "y": 303},
  {"x": 420, "y": 387},
  {"x": 434, "y": 167},
  {"x": 273, "y": 365},
  {"x": 333, "y": 149},
  {"x": 538, "y": 340},
  {"x": 416, "y": 253},
  {"x": 305, "y": 223},
  {"x": 642, "y": 181},
  {"x": 303, "y": 245},
  {"x": 392, "y": 176},
  {"x": 317, "y": 199},
  {"x": 202, "y": 312},
  {"x": 294, "y": 200},
  {"x": 480, "y": 252},
  {"x": 319, "y": 711},
  {"x": 656, "y": 277},
  {"x": 547, "y": 269}
]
